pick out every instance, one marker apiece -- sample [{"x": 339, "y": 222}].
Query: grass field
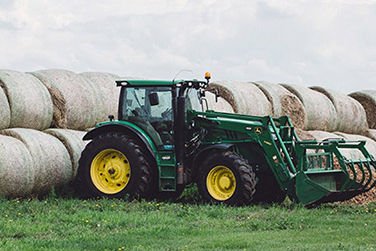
[{"x": 73, "y": 224}]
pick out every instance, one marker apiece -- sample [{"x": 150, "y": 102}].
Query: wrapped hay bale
[
  {"x": 371, "y": 134},
  {"x": 29, "y": 100},
  {"x": 283, "y": 102},
  {"x": 367, "y": 99},
  {"x": 370, "y": 144},
  {"x": 320, "y": 112},
  {"x": 321, "y": 136},
  {"x": 73, "y": 142},
  {"x": 105, "y": 83},
  {"x": 351, "y": 117},
  {"x": 50, "y": 160},
  {"x": 16, "y": 172},
  {"x": 4, "y": 110},
  {"x": 77, "y": 103},
  {"x": 245, "y": 98},
  {"x": 221, "y": 106}
]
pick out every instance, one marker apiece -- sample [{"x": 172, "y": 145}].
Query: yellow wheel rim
[
  {"x": 221, "y": 183},
  {"x": 110, "y": 171}
]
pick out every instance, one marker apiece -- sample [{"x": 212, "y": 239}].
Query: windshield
[
  {"x": 192, "y": 101},
  {"x": 157, "y": 119}
]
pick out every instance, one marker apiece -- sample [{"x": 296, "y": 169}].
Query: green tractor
[{"x": 164, "y": 141}]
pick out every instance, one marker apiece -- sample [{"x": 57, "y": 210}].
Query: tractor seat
[{"x": 145, "y": 125}]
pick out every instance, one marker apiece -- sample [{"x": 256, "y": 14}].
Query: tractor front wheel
[
  {"x": 226, "y": 177},
  {"x": 113, "y": 165}
]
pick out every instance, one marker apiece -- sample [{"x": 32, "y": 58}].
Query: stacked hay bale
[
  {"x": 30, "y": 103},
  {"x": 283, "y": 103},
  {"x": 50, "y": 161},
  {"x": 368, "y": 100},
  {"x": 73, "y": 142},
  {"x": 105, "y": 84},
  {"x": 221, "y": 105},
  {"x": 16, "y": 175},
  {"x": 320, "y": 112},
  {"x": 245, "y": 98},
  {"x": 370, "y": 144},
  {"x": 78, "y": 104},
  {"x": 351, "y": 116},
  {"x": 4, "y": 110}
]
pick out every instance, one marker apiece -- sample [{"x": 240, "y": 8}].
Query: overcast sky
[{"x": 327, "y": 43}]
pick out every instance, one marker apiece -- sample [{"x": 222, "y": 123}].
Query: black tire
[
  {"x": 244, "y": 177},
  {"x": 268, "y": 190},
  {"x": 140, "y": 179}
]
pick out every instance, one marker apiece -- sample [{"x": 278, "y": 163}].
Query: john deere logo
[{"x": 258, "y": 130}]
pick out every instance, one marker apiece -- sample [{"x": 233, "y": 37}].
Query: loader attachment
[{"x": 333, "y": 170}]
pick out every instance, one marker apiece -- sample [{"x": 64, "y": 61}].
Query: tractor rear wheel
[
  {"x": 113, "y": 165},
  {"x": 226, "y": 177}
]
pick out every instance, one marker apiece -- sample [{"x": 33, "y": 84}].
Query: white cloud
[{"x": 331, "y": 43}]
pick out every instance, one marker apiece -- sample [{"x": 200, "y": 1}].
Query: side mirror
[
  {"x": 153, "y": 98},
  {"x": 216, "y": 96}
]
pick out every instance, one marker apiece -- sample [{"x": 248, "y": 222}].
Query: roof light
[{"x": 207, "y": 76}]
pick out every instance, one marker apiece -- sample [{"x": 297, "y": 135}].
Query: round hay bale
[
  {"x": 50, "y": 160},
  {"x": 371, "y": 134},
  {"x": 321, "y": 136},
  {"x": 370, "y": 144},
  {"x": 283, "y": 102},
  {"x": 4, "y": 110},
  {"x": 320, "y": 112},
  {"x": 367, "y": 99},
  {"x": 221, "y": 106},
  {"x": 29, "y": 100},
  {"x": 351, "y": 117},
  {"x": 73, "y": 142},
  {"x": 16, "y": 168},
  {"x": 245, "y": 98},
  {"x": 76, "y": 101},
  {"x": 105, "y": 84},
  {"x": 304, "y": 135}
]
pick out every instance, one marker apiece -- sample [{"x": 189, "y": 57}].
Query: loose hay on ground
[
  {"x": 105, "y": 84},
  {"x": 245, "y": 98},
  {"x": 73, "y": 142},
  {"x": 283, "y": 102},
  {"x": 50, "y": 159},
  {"x": 351, "y": 116},
  {"x": 368, "y": 100},
  {"x": 4, "y": 110},
  {"x": 29, "y": 100},
  {"x": 16, "y": 168},
  {"x": 320, "y": 112},
  {"x": 76, "y": 100},
  {"x": 221, "y": 106}
]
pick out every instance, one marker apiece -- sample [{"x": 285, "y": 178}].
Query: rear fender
[{"x": 125, "y": 128}]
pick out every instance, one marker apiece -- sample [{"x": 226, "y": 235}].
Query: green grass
[{"x": 72, "y": 224}]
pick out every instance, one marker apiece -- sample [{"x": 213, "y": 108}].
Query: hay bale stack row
[
  {"x": 221, "y": 105},
  {"x": 77, "y": 102},
  {"x": 351, "y": 116},
  {"x": 368, "y": 100},
  {"x": 30, "y": 103},
  {"x": 39, "y": 161},
  {"x": 104, "y": 84},
  {"x": 245, "y": 98},
  {"x": 283, "y": 103},
  {"x": 320, "y": 112}
]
